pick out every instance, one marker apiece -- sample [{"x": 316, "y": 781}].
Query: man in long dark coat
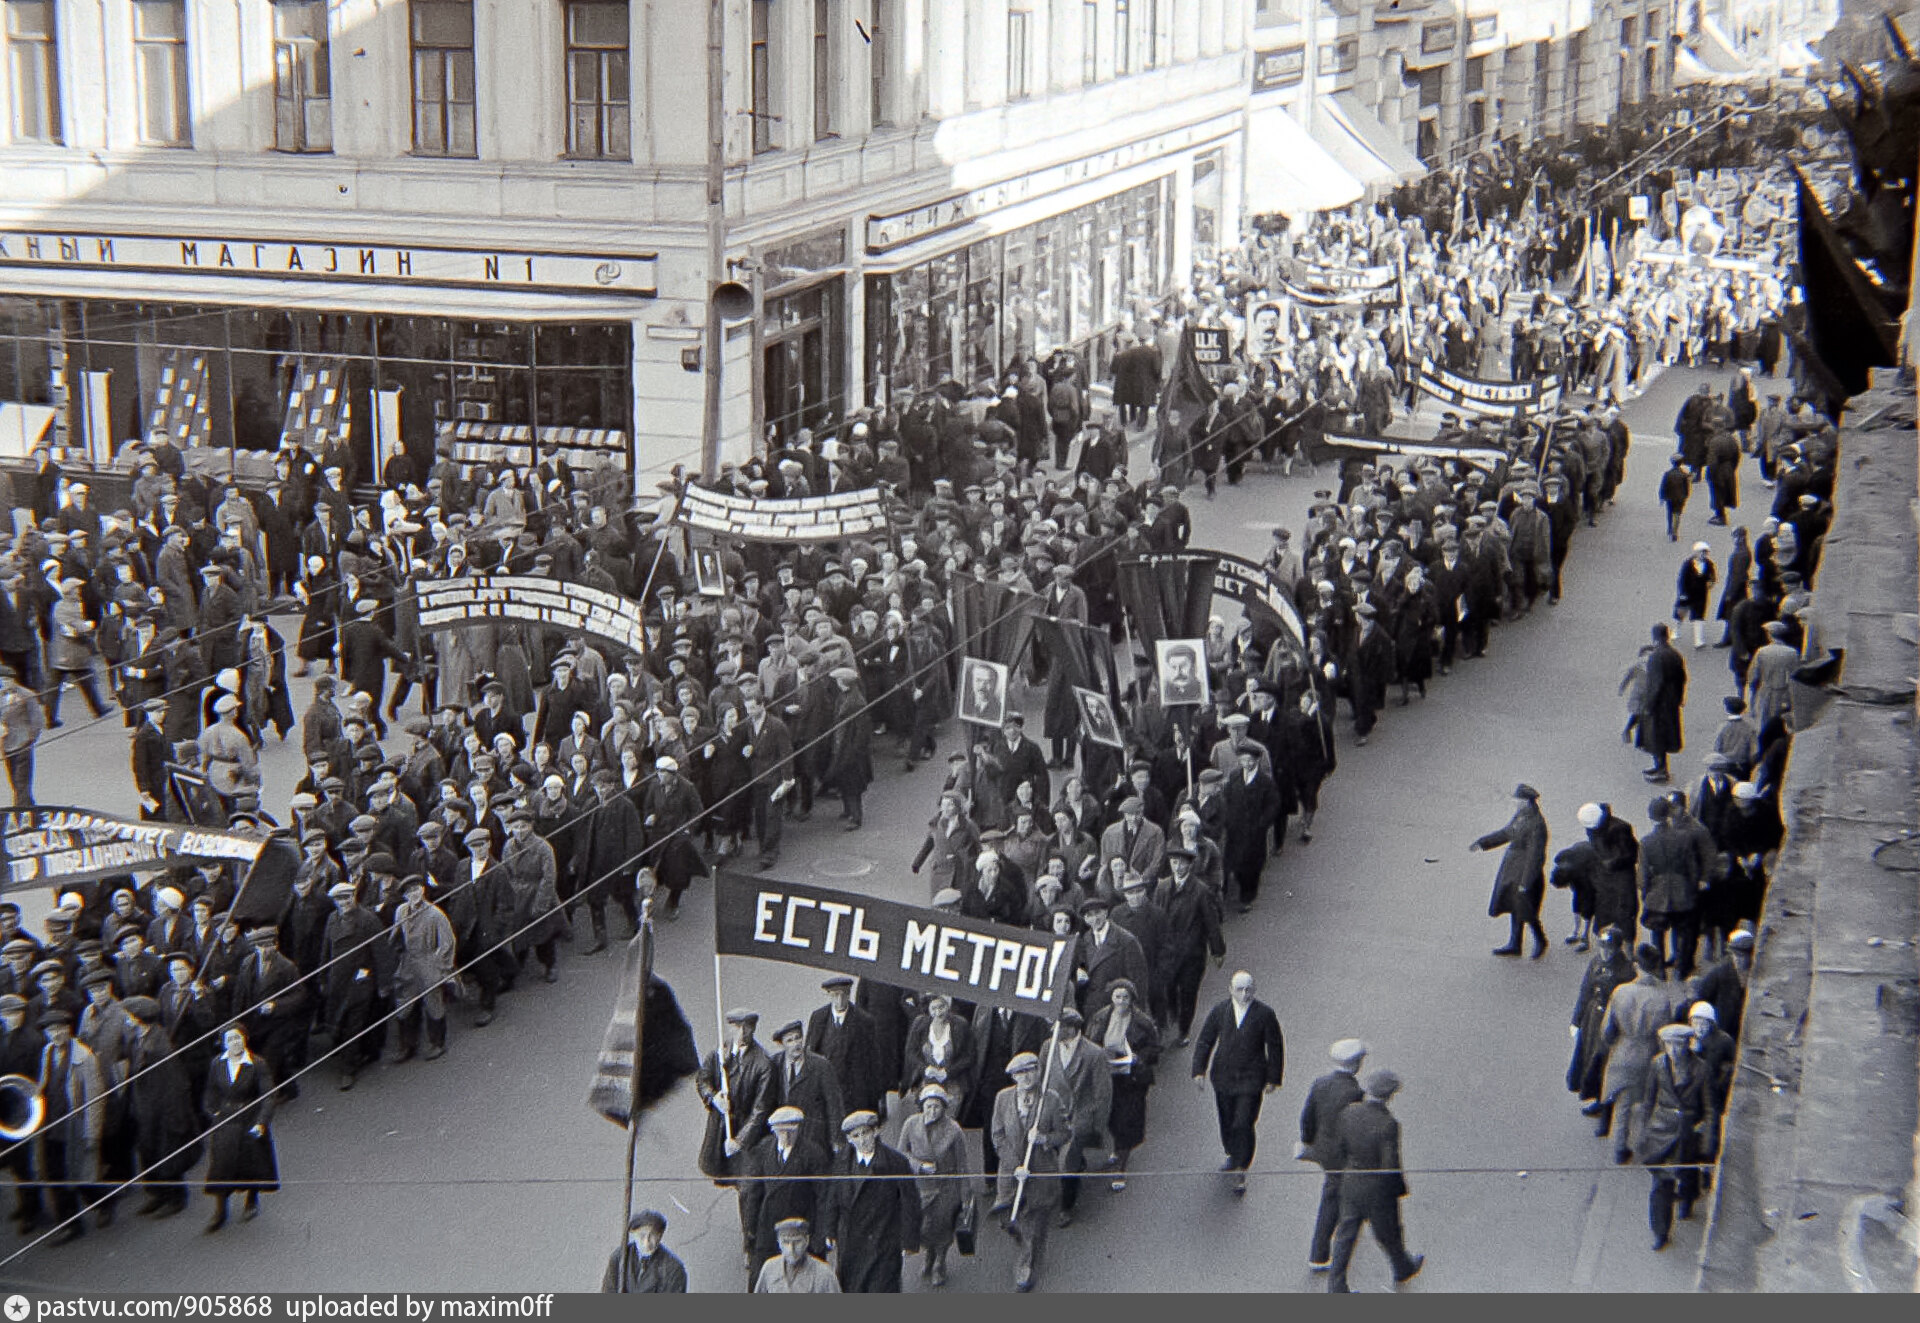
[
  {"x": 872, "y": 1211},
  {"x": 847, "y": 1037},
  {"x": 1367, "y": 1140},
  {"x": 1522, "y": 880},
  {"x": 1253, "y": 802},
  {"x": 1659, "y": 732},
  {"x": 608, "y": 844},
  {"x": 669, "y": 807},
  {"x": 365, "y": 651},
  {"x": 166, "y": 1126},
  {"x": 784, "y": 1173},
  {"x": 849, "y": 765},
  {"x": 353, "y": 957},
  {"x": 1330, "y": 1095}
]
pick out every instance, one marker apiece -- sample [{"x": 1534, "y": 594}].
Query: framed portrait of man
[
  {"x": 709, "y": 579},
  {"x": 1179, "y": 666},
  {"x": 983, "y": 691},
  {"x": 1097, "y": 719}
]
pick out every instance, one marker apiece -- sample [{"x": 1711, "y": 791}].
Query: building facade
[{"x": 471, "y": 225}]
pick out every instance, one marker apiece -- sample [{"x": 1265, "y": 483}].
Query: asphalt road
[{"x": 486, "y": 1171}]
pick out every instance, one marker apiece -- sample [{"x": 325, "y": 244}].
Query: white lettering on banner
[
  {"x": 901, "y": 227},
  {"x": 1006, "y": 960},
  {"x": 1031, "y": 981},
  {"x": 866, "y": 941},
  {"x": 787, "y": 936},
  {"x": 834, "y": 910},
  {"x": 949, "y": 944},
  {"x": 921, "y": 939},
  {"x": 617, "y": 273}
]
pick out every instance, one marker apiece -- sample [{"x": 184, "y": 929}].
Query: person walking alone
[
  {"x": 1240, "y": 1050},
  {"x": 1520, "y": 884}
]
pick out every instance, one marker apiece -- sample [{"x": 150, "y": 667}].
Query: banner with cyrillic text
[
  {"x": 907, "y": 946},
  {"x": 1363, "y": 296},
  {"x": 1491, "y": 399},
  {"x": 1482, "y": 457},
  {"x": 475, "y": 600},
  {"x": 792, "y": 519},
  {"x": 49, "y": 847}
]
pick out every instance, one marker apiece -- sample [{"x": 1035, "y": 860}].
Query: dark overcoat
[{"x": 1521, "y": 879}]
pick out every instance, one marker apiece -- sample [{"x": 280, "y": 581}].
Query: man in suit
[
  {"x": 1253, "y": 802},
  {"x": 1180, "y": 682},
  {"x": 1030, "y": 1130},
  {"x": 151, "y": 754},
  {"x": 981, "y": 697},
  {"x": 872, "y": 1210},
  {"x": 1107, "y": 953},
  {"x": 1193, "y": 933},
  {"x": 1330, "y": 1095},
  {"x": 850, "y": 1041},
  {"x": 1367, "y": 1146},
  {"x": 1133, "y": 838},
  {"x": 1084, "y": 1082},
  {"x": 769, "y": 753},
  {"x": 1241, "y": 1052},
  {"x": 1022, "y": 760},
  {"x": 806, "y": 1080},
  {"x": 1000, "y": 1035},
  {"x": 784, "y": 1172}
]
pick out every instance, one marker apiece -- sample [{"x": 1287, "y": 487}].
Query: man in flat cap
[
  {"x": 1671, "y": 1111},
  {"x": 872, "y": 1209},
  {"x": 609, "y": 841},
  {"x": 736, "y": 1085},
  {"x": 847, "y": 1036},
  {"x": 794, "y": 1271},
  {"x": 805, "y": 1080},
  {"x": 1030, "y": 1130},
  {"x": 276, "y": 1004},
  {"x": 1135, "y": 839},
  {"x": 1372, "y": 1183},
  {"x": 356, "y": 963},
  {"x": 1329, "y": 1095},
  {"x": 782, "y": 1179},
  {"x": 166, "y": 1118},
  {"x": 642, "y": 1265},
  {"x": 67, "y": 1145},
  {"x": 1521, "y": 881},
  {"x": 848, "y": 769}
]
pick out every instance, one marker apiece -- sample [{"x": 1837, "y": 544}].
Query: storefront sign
[
  {"x": 228, "y": 255},
  {"x": 799, "y": 519},
  {"x": 989, "y": 964},
  {"x": 570, "y": 607},
  {"x": 1493, "y": 399},
  {"x": 1281, "y": 68},
  {"x": 48, "y": 847},
  {"x": 903, "y": 227},
  {"x": 1209, "y": 345}
]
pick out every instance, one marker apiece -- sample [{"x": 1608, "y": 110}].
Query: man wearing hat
[
  {"x": 423, "y": 950},
  {"x": 276, "y": 1006},
  {"x": 150, "y": 754},
  {"x": 1083, "y": 1079},
  {"x": 1329, "y": 1096},
  {"x": 1372, "y": 1184},
  {"x": 805, "y": 1080},
  {"x": 1723, "y": 984},
  {"x": 22, "y": 719},
  {"x": 1674, "y": 863},
  {"x": 21, "y": 1043},
  {"x": 847, "y": 1036},
  {"x": 736, "y": 1086},
  {"x": 1674, "y": 1106},
  {"x": 166, "y": 1119},
  {"x": 872, "y": 1209},
  {"x": 642, "y": 1265},
  {"x": 782, "y": 1179},
  {"x": 356, "y": 964},
  {"x": 609, "y": 840},
  {"x": 1030, "y": 1130},
  {"x": 794, "y": 1271},
  {"x": 1107, "y": 953},
  {"x": 1135, "y": 839},
  {"x": 1520, "y": 883},
  {"x": 848, "y": 769},
  {"x": 67, "y": 1146}
]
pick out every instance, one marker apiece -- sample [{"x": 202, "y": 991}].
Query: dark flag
[
  {"x": 1849, "y": 327},
  {"x": 1081, "y": 656},
  {"x": 992, "y": 621},
  {"x": 1169, "y": 595},
  {"x": 268, "y": 884},
  {"x": 667, "y": 1051},
  {"x": 1183, "y": 398}
]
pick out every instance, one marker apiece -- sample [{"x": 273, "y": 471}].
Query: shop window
[
  {"x": 599, "y": 94},
  {"x": 160, "y": 72},
  {"x": 1090, "y": 42},
  {"x": 33, "y": 70},
  {"x": 1122, "y": 38},
  {"x": 1019, "y": 54},
  {"x": 302, "y": 77},
  {"x": 444, "y": 89},
  {"x": 760, "y": 75}
]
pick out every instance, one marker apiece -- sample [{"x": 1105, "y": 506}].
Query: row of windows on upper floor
[{"x": 598, "y": 82}]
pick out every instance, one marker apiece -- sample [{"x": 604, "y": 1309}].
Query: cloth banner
[
  {"x": 991, "y": 621},
  {"x": 1363, "y": 297},
  {"x": 1184, "y": 397},
  {"x": 1490, "y": 399},
  {"x": 575, "y": 608},
  {"x": 797, "y": 519},
  {"x": 1481, "y": 457},
  {"x": 50, "y": 847},
  {"x": 1312, "y": 275},
  {"x": 1169, "y": 594},
  {"x": 1849, "y": 326},
  {"x": 905, "y": 946},
  {"x": 1081, "y": 657},
  {"x": 667, "y": 1050},
  {"x": 1260, "y": 595}
]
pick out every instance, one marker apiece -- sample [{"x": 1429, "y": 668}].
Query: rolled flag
[{"x": 667, "y": 1051}]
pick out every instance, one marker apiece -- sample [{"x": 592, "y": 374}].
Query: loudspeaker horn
[{"x": 732, "y": 300}]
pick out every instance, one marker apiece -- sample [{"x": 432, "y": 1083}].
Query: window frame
[
  {"x": 446, "y": 58},
  {"x": 1019, "y": 54},
  {"x": 879, "y": 69},
  {"x": 45, "y": 48},
  {"x": 302, "y": 55},
  {"x": 179, "y": 77},
  {"x": 1122, "y": 38},
  {"x": 760, "y": 89},
  {"x": 824, "y": 68},
  {"x": 1089, "y": 42},
  {"x": 610, "y": 116}
]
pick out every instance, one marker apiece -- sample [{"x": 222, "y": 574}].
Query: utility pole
[{"x": 710, "y": 438}]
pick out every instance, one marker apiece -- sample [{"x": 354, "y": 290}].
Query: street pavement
[{"x": 485, "y": 1170}]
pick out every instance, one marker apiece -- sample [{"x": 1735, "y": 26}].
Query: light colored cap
[
  {"x": 787, "y": 1116},
  {"x": 1348, "y": 1052},
  {"x": 1590, "y": 815},
  {"x": 1703, "y": 1010}
]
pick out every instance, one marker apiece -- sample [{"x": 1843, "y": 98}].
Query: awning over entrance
[
  {"x": 1382, "y": 143},
  {"x": 1288, "y": 172}
]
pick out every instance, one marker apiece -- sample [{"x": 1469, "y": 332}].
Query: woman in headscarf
[{"x": 936, "y": 1148}]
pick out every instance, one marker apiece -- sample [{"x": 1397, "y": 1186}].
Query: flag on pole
[{"x": 667, "y": 1051}]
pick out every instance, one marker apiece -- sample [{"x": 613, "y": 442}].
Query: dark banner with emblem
[
  {"x": 1168, "y": 595},
  {"x": 991, "y": 621},
  {"x": 906, "y": 946},
  {"x": 1490, "y": 399},
  {"x": 50, "y": 847},
  {"x": 1263, "y": 597},
  {"x": 797, "y": 519},
  {"x": 572, "y": 607}
]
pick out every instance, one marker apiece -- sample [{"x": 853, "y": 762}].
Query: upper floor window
[
  {"x": 33, "y": 69},
  {"x": 1122, "y": 38},
  {"x": 1150, "y": 21},
  {"x": 879, "y": 59},
  {"x": 1275, "y": 13},
  {"x": 160, "y": 72},
  {"x": 1019, "y": 54},
  {"x": 760, "y": 74},
  {"x": 1090, "y": 41},
  {"x": 444, "y": 92},
  {"x": 824, "y": 68},
  {"x": 302, "y": 77},
  {"x": 599, "y": 99}
]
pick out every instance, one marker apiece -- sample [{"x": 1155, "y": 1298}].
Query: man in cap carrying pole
[{"x": 1028, "y": 1113}]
